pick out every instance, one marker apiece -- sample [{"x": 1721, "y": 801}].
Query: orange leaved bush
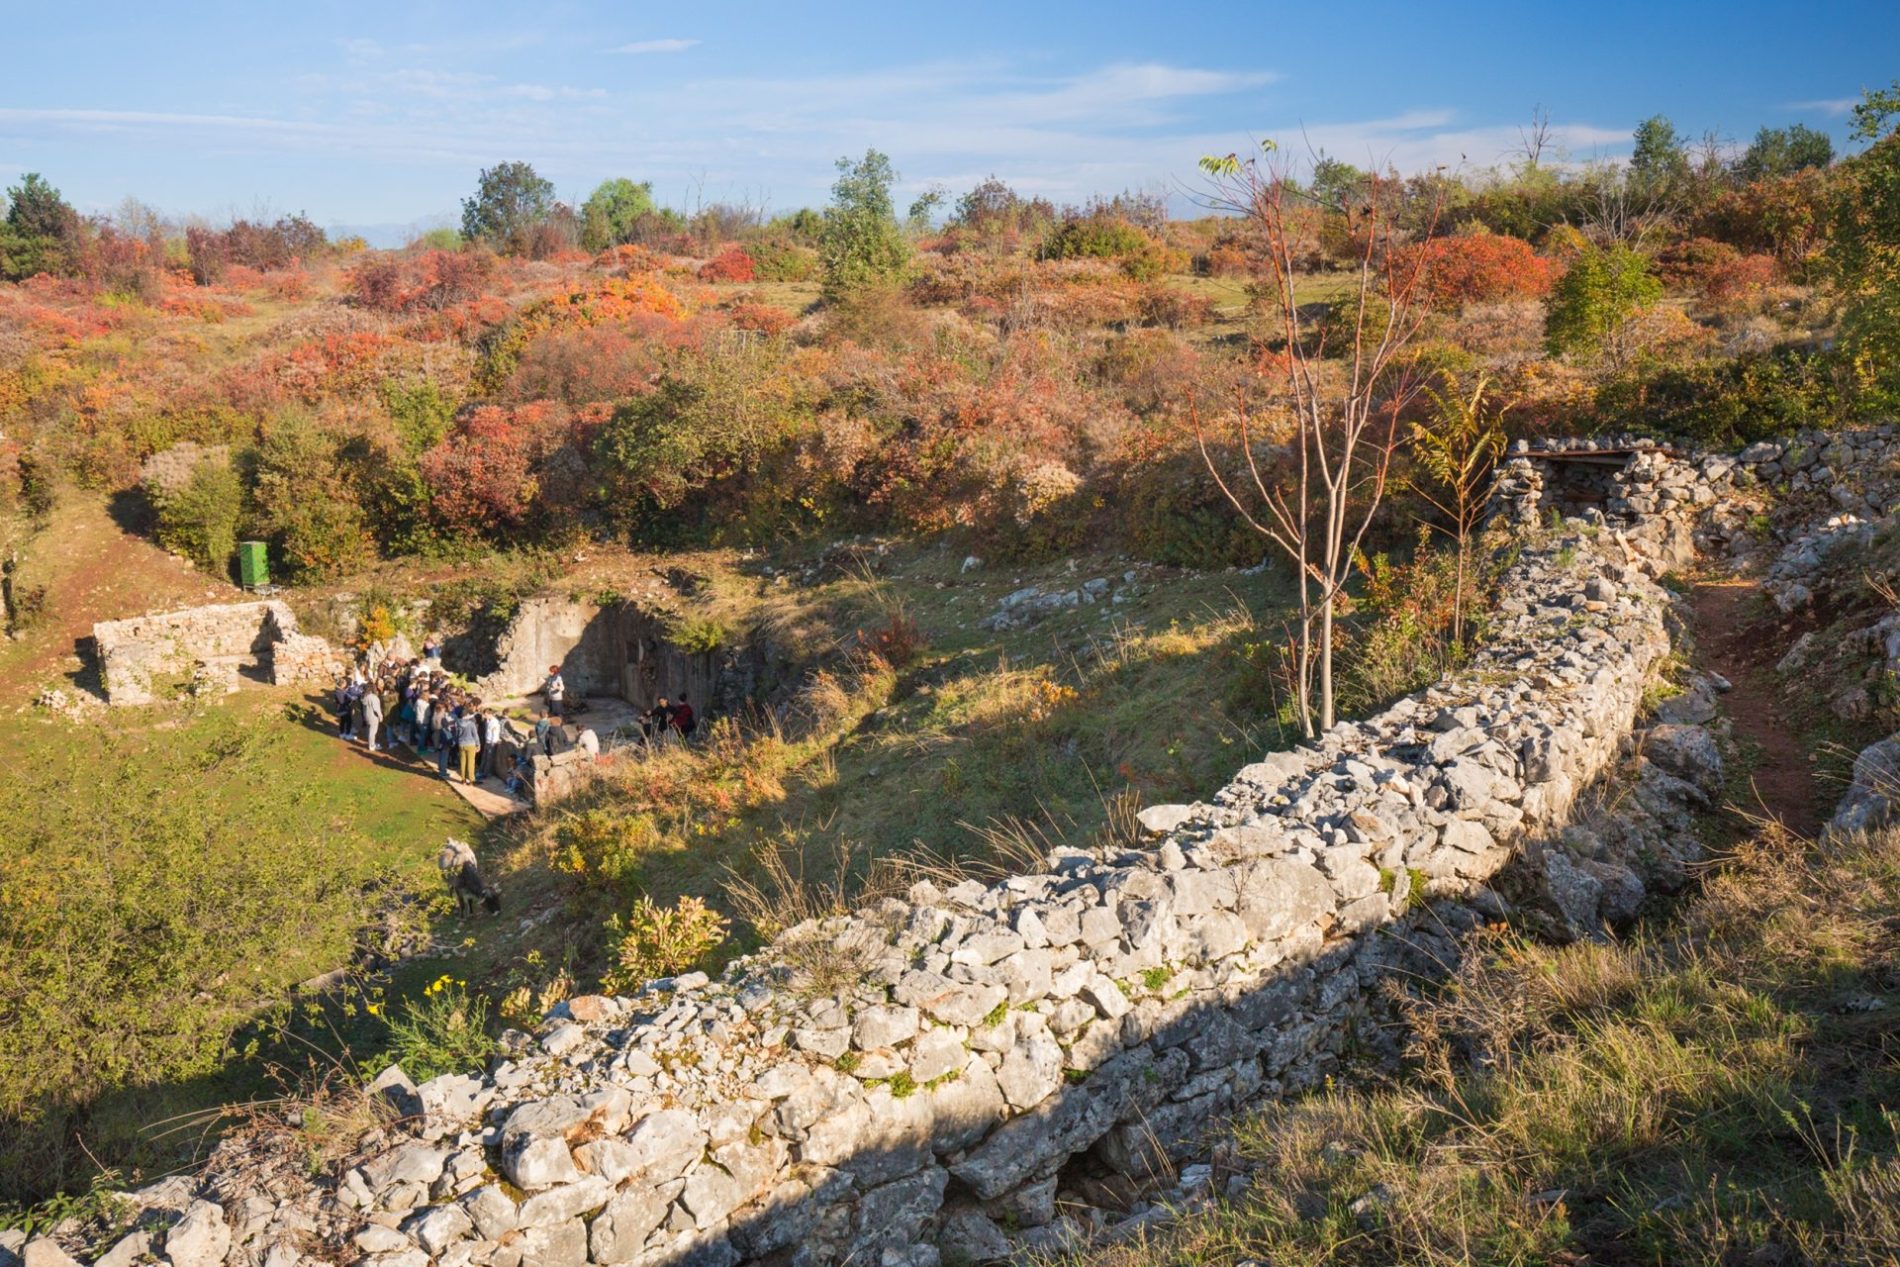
[{"x": 1479, "y": 268}]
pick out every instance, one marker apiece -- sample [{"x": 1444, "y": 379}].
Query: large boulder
[
  {"x": 1869, "y": 801},
  {"x": 1688, "y": 752}
]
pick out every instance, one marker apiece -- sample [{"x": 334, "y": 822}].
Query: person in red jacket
[{"x": 683, "y": 720}]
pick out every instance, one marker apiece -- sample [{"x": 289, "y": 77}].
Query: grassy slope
[
  {"x": 1032, "y": 730},
  {"x": 76, "y": 787}
]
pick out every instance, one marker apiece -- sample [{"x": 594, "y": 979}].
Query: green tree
[
  {"x": 41, "y": 233},
  {"x": 1603, "y": 288},
  {"x": 200, "y": 518},
  {"x": 862, "y": 244},
  {"x": 613, "y": 210},
  {"x": 308, "y": 499},
  {"x": 1785, "y": 151},
  {"x": 924, "y": 208},
  {"x": 1337, "y": 184},
  {"x": 1863, "y": 253},
  {"x": 1660, "y": 161},
  {"x": 510, "y": 201}
]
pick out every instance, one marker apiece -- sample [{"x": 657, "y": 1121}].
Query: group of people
[{"x": 415, "y": 702}]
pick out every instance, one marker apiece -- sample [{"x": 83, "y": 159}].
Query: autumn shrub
[
  {"x": 1476, "y": 268},
  {"x": 668, "y": 461},
  {"x": 899, "y": 639},
  {"x": 1603, "y": 288},
  {"x": 730, "y": 265},
  {"x": 434, "y": 280},
  {"x": 760, "y": 318},
  {"x": 490, "y": 475},
  {"x": 1723, "y": 403},
  {"x": 610, "y": 301},
  {"x": 1400, "y": 633},
  {"x": 1169, "y": 510},
  {"x": 596, "y": 363},
  {"x": 307, "y": 499},
  {"x": 1160, "y": 304},
  {"x": 1094, "y": 237},
  {"x": 443, "y": 1032},
  {"x": 601, "y": 848},
  {"x": 656, "y": 941},
  {"x": 777, "y": 260},
  {"x": 1783, "y": 216}
]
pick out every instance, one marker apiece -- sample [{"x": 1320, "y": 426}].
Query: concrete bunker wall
[{"x": 620, "y": 649}]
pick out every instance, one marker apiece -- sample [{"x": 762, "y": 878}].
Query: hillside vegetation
[{"x": 859, "y": 435}]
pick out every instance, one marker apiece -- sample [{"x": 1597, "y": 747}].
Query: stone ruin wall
[
  {"x": 1676, "y": 504},
  {"x": 1099, "y": 1014},
  {"x": 218, "y": 644},
  {"x": 1108, "y": 1009}
]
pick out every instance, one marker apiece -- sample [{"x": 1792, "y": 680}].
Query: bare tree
[
  {"x": 1315, "y": 495},
  {"x": 1620, "y": 208},
  {"x": 1534, "y": 138}
]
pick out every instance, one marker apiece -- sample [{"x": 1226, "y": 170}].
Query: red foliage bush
[
  {"x": 1479, "y": 268},
  {"x": 1716, "y": 271},
  {"x": 484, "y": 477},
  {"x": 760, "y": 318},
  {"x": 433, "y": 280},
  {"x": 730, "y": 265}
]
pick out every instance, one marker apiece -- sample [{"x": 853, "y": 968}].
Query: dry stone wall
[
  {"x": 1101, "y": 1013},
  {"x": 146, "y": 655}
]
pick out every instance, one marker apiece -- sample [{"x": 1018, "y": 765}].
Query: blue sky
[{"x": 381, "y": 114}]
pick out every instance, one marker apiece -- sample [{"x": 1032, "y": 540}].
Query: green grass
[
  {"x": 1722, "y": 1090},
  {"x": 166, "y": 876}
]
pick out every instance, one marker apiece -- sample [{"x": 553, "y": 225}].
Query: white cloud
[
  {"x": 1064, "y": 136},
  {"x": 1835, "y": 107},
  {"x": 655, "y": 46},
  {"x": 84, "y": 119}
]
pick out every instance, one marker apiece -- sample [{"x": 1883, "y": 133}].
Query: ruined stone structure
[
  {"x": 992, "y": 1038},
  {"x": 1678, "y": 500},
  {"x": 619, "y": 648},
  {"x": 146, "y": 657},
  {"x": 992, "y": 1042}
]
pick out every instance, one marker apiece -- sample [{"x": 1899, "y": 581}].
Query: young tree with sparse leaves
[
  {"x": 1315, "y": 493},
  {"x": 1457, "y": 452}
]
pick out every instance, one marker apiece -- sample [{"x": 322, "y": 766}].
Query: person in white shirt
[{"x": 491, "y": 741}]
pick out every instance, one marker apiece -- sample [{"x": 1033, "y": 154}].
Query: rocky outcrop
[
  {"x": 1102, "y": 1013},
  {"x": 148, "y": 657},
  {"x": 1873, "y": 794}
]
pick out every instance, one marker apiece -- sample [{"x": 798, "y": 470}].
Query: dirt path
[{"x": 1733, "y": 639}]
